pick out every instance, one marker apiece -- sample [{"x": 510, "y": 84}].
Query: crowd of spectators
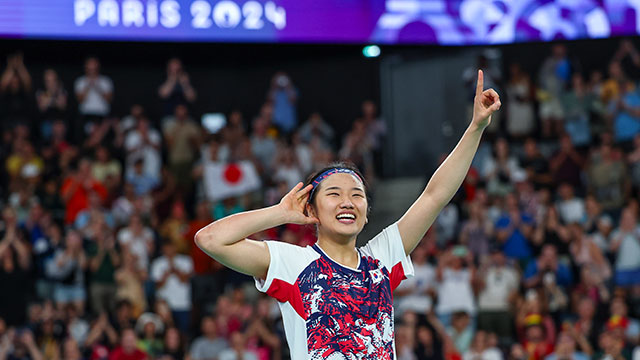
[
  {"x": 537, "y": 257},
  {"x": 100, "y": 210}
]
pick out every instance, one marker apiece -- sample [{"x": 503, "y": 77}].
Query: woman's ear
[{"x": 309, "y": 210}]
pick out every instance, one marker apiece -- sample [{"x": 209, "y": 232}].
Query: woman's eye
[
  {"x": 359, "y": 195},
  {"x": 331, "y": 194}
]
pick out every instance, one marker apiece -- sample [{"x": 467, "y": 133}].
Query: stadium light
[{"x": 371, "y": 51}]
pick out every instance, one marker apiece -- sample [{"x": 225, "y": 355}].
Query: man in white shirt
[
  {"x": 499, "y": 281},
  {"x": 570, "y": 207},
  {"x": 143, "y": 142},
  {"x": 455, "y": 274},
  {"x": 171, "y": 274},
  {"x": 138, "y": 240},
  {"x": 415, "y": 293},
  {"x": 94, "y": 92}
]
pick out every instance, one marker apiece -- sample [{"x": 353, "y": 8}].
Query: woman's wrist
[
  {"x": 474, "y": 127},
  {"x": 277, "y": 215}
]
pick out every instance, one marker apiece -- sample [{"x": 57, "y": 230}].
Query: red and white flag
[{"x": 222, "y": 180}]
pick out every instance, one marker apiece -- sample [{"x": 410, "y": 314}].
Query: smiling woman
[
  {"x": 335, "y": 298},
  {"x": 338, "y": 199}
]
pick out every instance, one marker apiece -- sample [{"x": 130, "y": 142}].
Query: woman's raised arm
[
  {"x": 449, "y": 176},
  {"x": 226, "y": 239}
]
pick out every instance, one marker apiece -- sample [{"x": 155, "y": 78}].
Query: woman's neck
[{"x": 343, "y": 253}]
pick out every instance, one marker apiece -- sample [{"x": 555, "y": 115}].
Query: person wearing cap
[
  {"x": 336, "y": 298},
  {"x": 148, "y": 327}
]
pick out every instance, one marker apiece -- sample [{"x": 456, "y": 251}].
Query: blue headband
[{"x": 316, "y": 182}]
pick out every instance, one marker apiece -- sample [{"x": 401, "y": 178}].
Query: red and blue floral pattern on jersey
[{"x": 349, "y": 314}]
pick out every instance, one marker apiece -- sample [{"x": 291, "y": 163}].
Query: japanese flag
[{"x": 222, "y": 180}]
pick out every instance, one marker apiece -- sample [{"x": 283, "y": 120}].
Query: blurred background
[{"x": 128, "y": 125}]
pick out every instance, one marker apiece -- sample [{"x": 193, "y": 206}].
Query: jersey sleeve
[
  {"x": 285, "y": 266},
  {"x": 387, "y": 247}
]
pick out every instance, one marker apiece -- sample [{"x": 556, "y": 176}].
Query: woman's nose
[{"x": 346, "y": 203}]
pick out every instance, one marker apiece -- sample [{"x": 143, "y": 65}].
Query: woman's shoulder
[{"x": 288, "y": 248}]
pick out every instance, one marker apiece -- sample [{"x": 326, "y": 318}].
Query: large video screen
[{"x": 447, "y": 22}]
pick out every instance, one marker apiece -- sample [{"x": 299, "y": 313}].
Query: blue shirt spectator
[
  {"x": 512, "y": 230},
  {"x": 536, "y": 273},
  {"x": 142, "y": 182},
  {"x": 283, "y": 96},
  {"x": 627, "y": 122}
]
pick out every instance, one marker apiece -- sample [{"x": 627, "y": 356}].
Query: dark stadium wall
[
  {"x": 425, "y": 100},
  {"x": 332, "y": 80}
]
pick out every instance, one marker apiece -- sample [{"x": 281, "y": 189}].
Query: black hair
[
  {"x": 166, "y": 242},
  {"x": 459, "y": 314},
  {"x": 92, "y": 57},
  {"x": 122, "y": 303},
  {"x": 343, "y": 164}
]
